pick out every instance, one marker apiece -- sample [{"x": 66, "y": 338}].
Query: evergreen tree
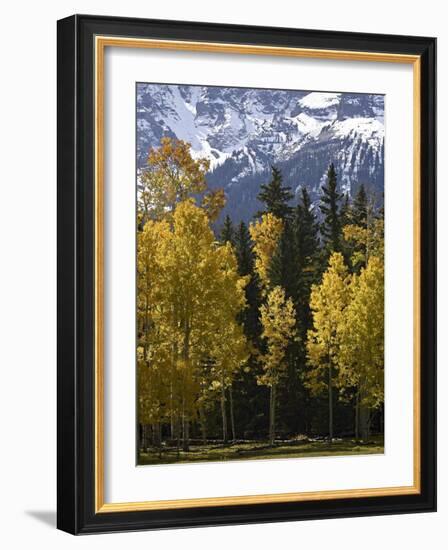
[
  {"x": 331, "y": 228},
  {"x": 275, "y": 196},
  {"x": 358, "y": 232},
  {"x": 360, "y": 207},
  {"x": 227, "y": 232},
  {"x": 306, "y": 232},
  {"x": 304, "y": 266},
  {"x": 346, "y": 210},
  {"x": 246, "y": 267},
  {"x": 248, "y": 396},
  {"x": 306, "y": 239},
  {"x": 282, "y": 268}
]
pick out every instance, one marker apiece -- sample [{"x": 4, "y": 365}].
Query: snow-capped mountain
[{"x": 243, "y": 131}]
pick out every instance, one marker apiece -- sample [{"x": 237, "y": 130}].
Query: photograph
[
  {"x": 259, "y": 273},
  {"x": 246, "y": 273}
]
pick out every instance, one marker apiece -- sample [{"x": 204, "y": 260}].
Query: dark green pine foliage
[
  {"x": 360, "y": 217},
  {"x": 307, "y": 270},
  {"x": 306, "y": 233},
  {"x": 360, "y": 207},
  {"x": 227, "y": 234},
  {"x": 331, "y": 227},
  {"x": 308, "y": 267},
  {"x": 246, "y": 266},
  {"x": 275, "y": 196},
  {"x": 276, "y": 200},
  {"x": 346, "y": 216},
  {"x": 346, "y": 211},
  {"x": 247, "y": 395},
  {"x": 282, "y": 270}
]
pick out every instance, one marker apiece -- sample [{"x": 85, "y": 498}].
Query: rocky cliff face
[{"x": 244, "y": 131}]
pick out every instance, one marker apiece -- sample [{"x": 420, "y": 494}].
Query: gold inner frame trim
[{"x": 101, "y": 42}]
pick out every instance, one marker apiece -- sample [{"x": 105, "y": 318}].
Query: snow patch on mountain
[
  {"x": 242, "y": 132},
  {"x": 320, "y": 100}
]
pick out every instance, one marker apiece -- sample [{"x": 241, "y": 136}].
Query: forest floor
[{"x": 256, "y": 450}]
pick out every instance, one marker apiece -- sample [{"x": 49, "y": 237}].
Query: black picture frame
[{"x": 76, "y": 255}]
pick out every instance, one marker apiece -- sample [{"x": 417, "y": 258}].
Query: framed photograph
[{"x": 246, "y": 274}]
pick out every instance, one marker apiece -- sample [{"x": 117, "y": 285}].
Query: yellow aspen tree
[
  {"x": 266, "y": 234},
  {"x": 361, "y": 356},
  {"x": 206, "y": 294},
  {"x": 229, "y": 355},
  {"x": 366, "y": 241},
  {"x": 171, "y": 176},
  {"x": 328, "y": 302},
  {"x": 213, "y": 202},
  {"x": 152, "y": 351},
  {"x": 230, "y": 350},
  {"x": 278, "y": 321}
]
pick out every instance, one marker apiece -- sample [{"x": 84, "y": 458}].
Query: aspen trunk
[
  {"x": 178, "y": 436},
  {"x": 223, "y": 412},
  {"x": 364, "y": 421},
  {"x": 171, "y": 409},
  {"x": 158, "y": 430},
  {"x": 186, "y": 434},
  {"x": 272, "y": 415},
  {"x": 203, "y": 425},
  {"x": 232, "y": 416},
  {"x": 185, "y": 419},
  {"x": 146, "y": 436},
  {"x": 185, "y": 428},
  {"x": 357, "y": 416},
  {"x": 330, "y": 404}
]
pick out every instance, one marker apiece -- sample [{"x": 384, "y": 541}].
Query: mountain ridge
[{"x": 244, "y": 131}]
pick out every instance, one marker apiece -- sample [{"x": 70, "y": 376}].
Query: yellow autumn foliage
[
  {"x": 361, "y": 355},
  {"x": 189, "y": 297},
  {"x": 328, "y": 301},
  {"x": 266, "y": 234},
  {"x": 278, "y": 321},
  {"x": 172, "y": 176}
]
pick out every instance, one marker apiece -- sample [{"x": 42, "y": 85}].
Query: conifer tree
[
  {"x": 346, "y": 210},
  {"x": 294, "y": 267},
  {"x": 307, "y": 266},
  {"x": 360, "y": 207},
  {"x": 227, "y": 231},
  {"x": 244, "y": 250},
  {"x": 306, "y": 234},
  {"x": 246, "y": 268},
  {"x": 365, "y": 236},
  {"x": 282, "y": 268},
  {"x": 275, "y": 196},
  {"x": 245, "y": 395},
  {"x": 331, "y": 228}
]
